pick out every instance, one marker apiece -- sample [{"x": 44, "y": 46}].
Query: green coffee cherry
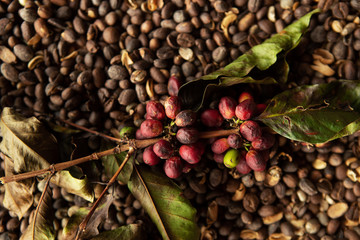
[
  {"x": 127, "y": 131},
  {"x": 231, "y": 158}
]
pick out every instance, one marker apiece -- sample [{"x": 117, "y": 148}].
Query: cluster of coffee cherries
[
  {"x": 248, "y": 150},
  {"x": 180, "y": 148}
]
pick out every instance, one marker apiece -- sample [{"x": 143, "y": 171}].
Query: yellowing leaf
[
  {"x": 100, "y": 214},
  {"x": 27, "y": 142},
  {"x": 72, "y": 184},
  {"x": 128, "y": 232},
  {"x": 42, "y": 228},
  {"x": 18, "y": 196}
]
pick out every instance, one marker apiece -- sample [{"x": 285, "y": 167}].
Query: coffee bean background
[{"x": 97, "y": 62}]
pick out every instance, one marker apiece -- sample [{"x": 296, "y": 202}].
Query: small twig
[
  {"x": 83, "y": 224},
  {"x": 139, "y": 144},
  {"x": 118, "y": 140},
  {"x": 39, "y": 204},
  {"x": 218, "y": 133},
  {"x": 95, "y": 156}
]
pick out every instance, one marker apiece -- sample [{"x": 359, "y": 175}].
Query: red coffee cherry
[
  {"x": 220, "y": 146},
  {"x": 163, "y": 149},
  {"x": 151, "y": 128},
  {"x": 172, "y": 107},
  {"x": 245, "y": 110},
  {"x": 255, "y": 160},
  {"x": 227, "y": 107},
  {"x": 149, "y": 157},
  {"x": 155, "y": 110},
  {"x": 173, "y": 167},
  {"x": 250, "y": 130},
  {"x": 211, "y": 118}
]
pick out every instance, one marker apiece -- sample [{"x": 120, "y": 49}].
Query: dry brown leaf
[
  {"x": 42, "y": 228},
  {"x": 212, "y": 213},
  {"x": 6, "y": 55},
  {"x": 18, "y": 196}
]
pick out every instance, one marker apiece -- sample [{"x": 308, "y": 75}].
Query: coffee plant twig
[
  {"x": 83, "y": 224},
  {"x": 138, "y": 144}
]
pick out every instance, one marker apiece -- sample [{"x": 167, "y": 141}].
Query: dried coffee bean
[
  {"x": 127, "y": 96},
  {"x": 117, "y": 72}
]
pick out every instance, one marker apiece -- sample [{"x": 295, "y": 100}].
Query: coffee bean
[
  {"x": 340, "y": 10},
  {"x": 219, "y": 54},
  {"x": 127, "y": 96},
  {"x": 117, "y": 72},
  {"x": 9, "y": 72},
  {"x": 254, "y": 5},
  {"x": 184, "y": 27}
]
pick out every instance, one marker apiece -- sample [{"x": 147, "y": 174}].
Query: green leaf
[
  {"x": 73, "y": 181},
  {"x": 262, "y": 64},
  {"x": 100, "y": 214},
  {"x": 27, "y": 142},
  {"x": 42, "y": 228},
  {"x": 18, "y": 196},
  {"x": 171, "y": 212},
  {"x": 112, "y": 162},
  {"x": 316, "y": 113},
  {"x": 128, "y": 232}
]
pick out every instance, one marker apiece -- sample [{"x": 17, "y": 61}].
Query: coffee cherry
[
  {"x": 227, "y": 107},
  {"x": 245, "y": 96},
  {"x": 151, "y": 128},
  {"x": 242, "y": 166},
  {"x": 163, "y": 149},
  {"x": 138, "y": 135},
  {"x": 173, "y": 86},
  {"x": 255, "y": 160},
  {"x": 231, "y": 158},
  {"x": 260, "y": 108},
  {"x": 234, "y": 140},
  {"x": 190, "y": 153},
  {"x": 155, "y": 110},
  {"x": 173, "y": 167},
  {"x": 149, "y": 157},
  {"x": 245, "y": 110},
  {"x": 185, "y": 118},
  {"x": 264, "y": 142},
  {"x": 219, "y": 158},
  {"x": 187, "y": 135},
  {"x": 220, "y": 146},
  {"x": 172, "y": 107},
  {"x": 128, "y": 132},
  {"x": 211, "y": 118},
  {"x": 250, "y": 130}
]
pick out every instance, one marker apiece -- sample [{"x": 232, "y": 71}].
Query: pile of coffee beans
[{"x": 98, "y": 63}]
